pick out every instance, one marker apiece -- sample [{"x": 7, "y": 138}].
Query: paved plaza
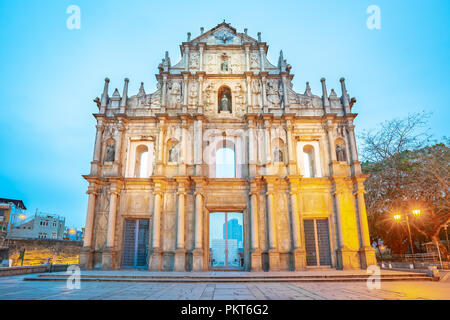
[{"x": 15, "y": 288}]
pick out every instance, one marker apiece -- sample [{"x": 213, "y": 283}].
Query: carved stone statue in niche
[
  {"x": 273, "y": 93},
  {"x": 340, "y": 153},
  {"x": 110, "y": 152},
  {"x": 224, "y": 66},
  {"x": 224, "y": 96},
  {"x": 194, "y": 60},
  {"x": 173, "y": 154},
  {"x": 224, "y": 103},
  {"x": 254, "y": 63},
  {"x": 175, "y": 94},
  {"x": 256, "y": 88},
  {"x": 277, "y": 155}
]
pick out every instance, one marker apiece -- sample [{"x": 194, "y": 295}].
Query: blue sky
[{"x": 50, "y": 74}]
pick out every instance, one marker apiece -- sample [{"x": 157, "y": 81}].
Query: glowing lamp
[
  {"x": 416, "y": 212},
  {"x": 397, "y": 217}
]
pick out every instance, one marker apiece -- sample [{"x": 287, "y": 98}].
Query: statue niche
[
  {"x": 224, "y": 99},
  {"x": 110, "y": 152}
]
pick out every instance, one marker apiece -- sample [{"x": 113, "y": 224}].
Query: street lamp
[{"x": 398, "y": 216}]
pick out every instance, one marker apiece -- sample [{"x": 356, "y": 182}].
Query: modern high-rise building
[{"x": 224, "y": 131}]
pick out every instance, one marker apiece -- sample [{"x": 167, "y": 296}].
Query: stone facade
[{"x": 295, "y": 159}]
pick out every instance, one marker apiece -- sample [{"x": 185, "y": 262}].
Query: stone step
[
  {"x": 227, "y": 280},
  {"x": 241, "y": 277}
]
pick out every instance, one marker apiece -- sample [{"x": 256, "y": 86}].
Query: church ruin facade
[{"x": 225, "y": 135}]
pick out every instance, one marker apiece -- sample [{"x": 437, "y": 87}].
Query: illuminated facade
[{"x": 290, "y": 167}]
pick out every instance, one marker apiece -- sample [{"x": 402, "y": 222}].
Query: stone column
[
  {"x": 118, "y": 152},
  {"x": 263, "y": 92},
  {"x": 274, "y": 255},
  {"x": 155, "y": 257},
  {"x": 97, "y": 148},
  {"x": 164, "y": 92},
  {"x": 185, "y": 89},
  {"x": 331, "y": 142},
  {"x": 351, "y": 135},
  {"x": 262, "y": 56},
  {"x": 292, "y": 150},
  {"x": 98, "y": 140},
  {"x": 249, "y": 96},
  {"x": 268, "y": 141},
  {"x": 200, "y": 91},
  {"x": 197, "y": 253},
  {"x": 252, "y": 148},
  {"x": 198, "y": 146},
  {"x": 254, "y": 230},
  {"x": 161, "y": 137},
  {"x": 346, "y": 258},
  {"x": 180, "y": 252},
  {"x": 186, "y": 58},
  {"x": 247, "y": 57},
  {"x": 285, "y": 96},
  {"x": 108, "y": 256},
  {"x": 201, "y": 58},
  {"x": 87, "y": 250},
  {"x": 298, "y": 251},
  {"x": 367, "y": 253}
]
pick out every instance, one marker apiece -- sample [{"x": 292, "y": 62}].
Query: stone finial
[
  {"x": 326, "y": 103},
  {"x": 308, "y": 90},
  {"x": 104, "y": 99},
  {"x": 123, "y": 103},
  {"x": 259, "y": 36},
  {"x": 281, "y": 62},
  {"x": 116, "y": 93},
  {"x": 202, "y": 30},
  {"x": 245, "y": 31},
  {"x": 141, "y": 90},
  {"x": 188, "y": 36},
  {"x": 345, "y": 101}
]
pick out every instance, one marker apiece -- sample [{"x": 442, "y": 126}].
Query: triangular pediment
[{"x": 223, "y": 34}]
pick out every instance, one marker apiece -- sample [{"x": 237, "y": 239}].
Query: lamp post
[
  {"x": 446, "y": 236},
  {"x": 397, "y": 217}
]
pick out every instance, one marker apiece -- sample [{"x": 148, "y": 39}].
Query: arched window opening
[
  {"x": 225, "y": 163},
  {"x": 141, "y": 166},
  {"x": 309, "y": 162},
  {"x": 224, "y": 99}
]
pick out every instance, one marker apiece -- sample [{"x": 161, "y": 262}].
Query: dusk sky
[{"x": 50, "y": 74}]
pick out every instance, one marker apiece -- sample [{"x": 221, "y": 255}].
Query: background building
[
  {"x": 10, "y": 210},
  {"x": 224, "y": 131},
  {"x": 38, "y": 226}
]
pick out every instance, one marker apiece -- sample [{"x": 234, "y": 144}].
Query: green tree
[{"x": 405, "y": 173}]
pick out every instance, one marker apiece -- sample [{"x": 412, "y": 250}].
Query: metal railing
[{"x": 418, "y": 257}]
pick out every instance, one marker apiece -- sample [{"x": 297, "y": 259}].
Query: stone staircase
[{"x": 229, "y": 277}]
